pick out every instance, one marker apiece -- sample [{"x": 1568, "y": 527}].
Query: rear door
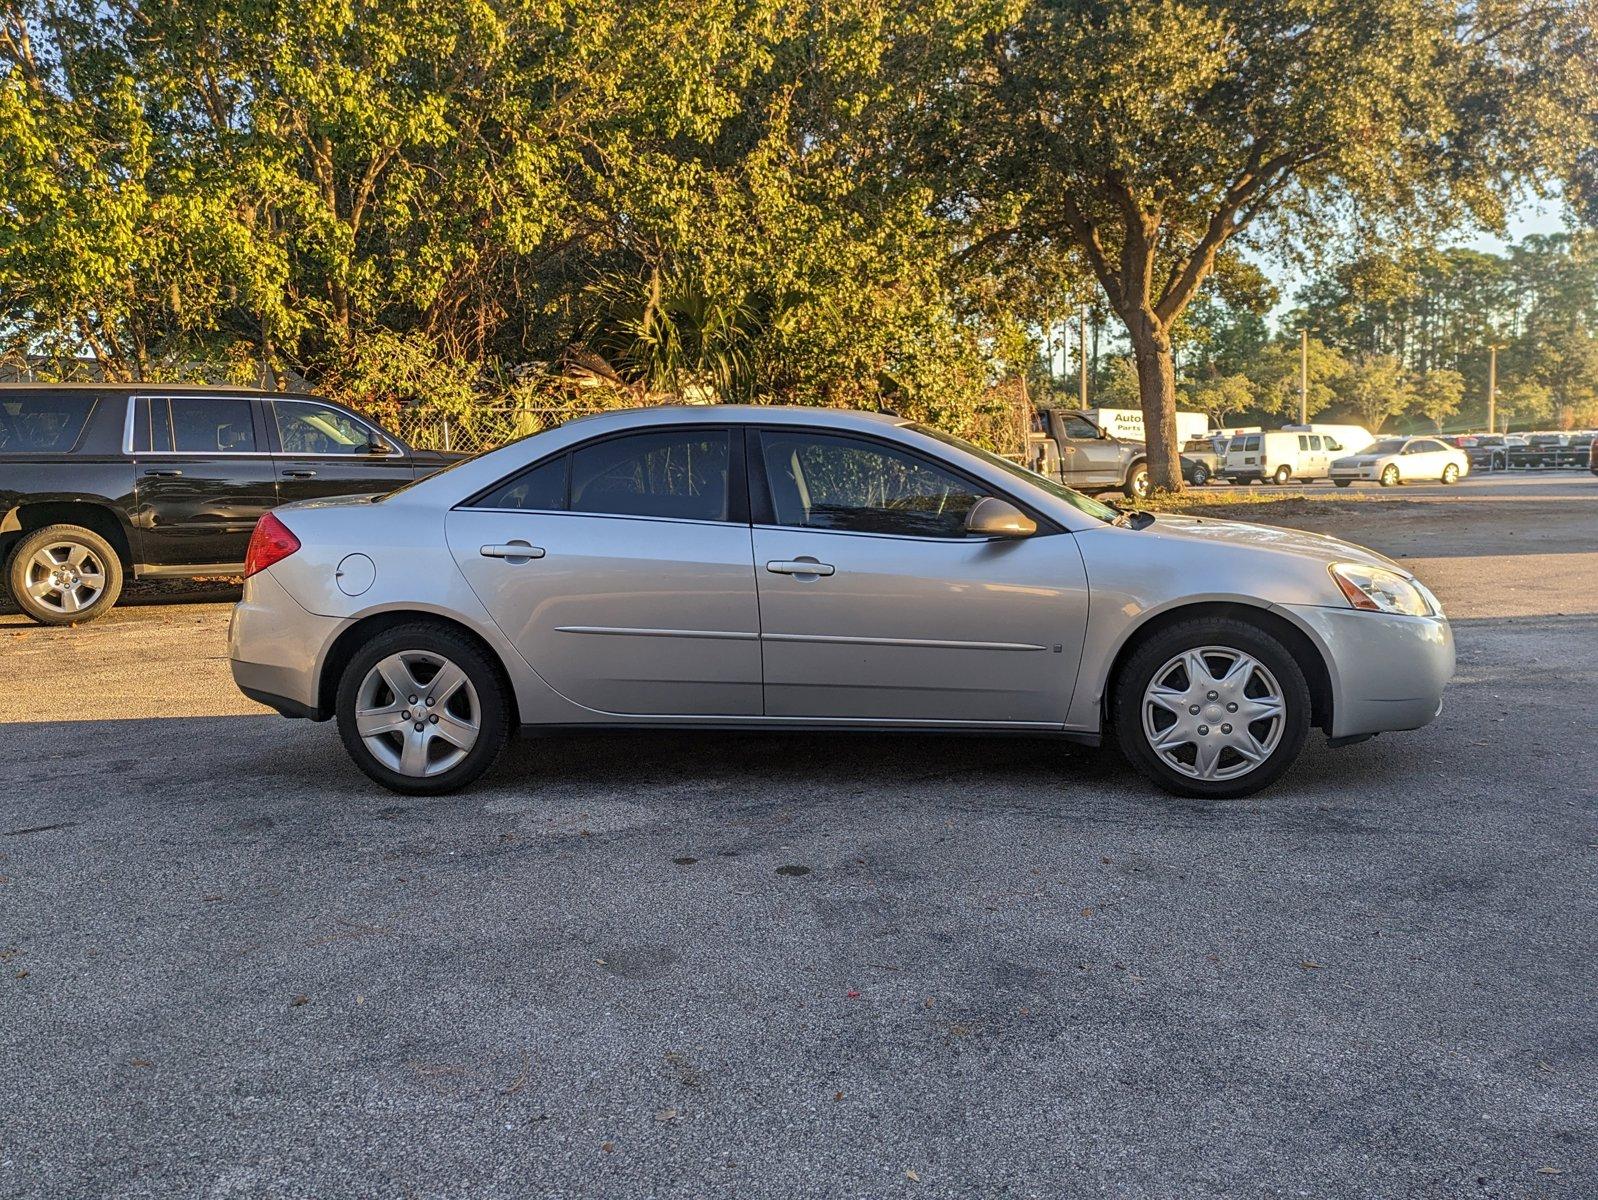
[
  {"x": 202, "y": 477},
  {"x": 876, "y": 605},
  {"x": 321, "y": 450},
  {"x": 622, "y": 572}
]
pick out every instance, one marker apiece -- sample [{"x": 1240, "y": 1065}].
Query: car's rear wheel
[
  {"x": 1451, "y": 473},
  {"x": 64, "y": 575},
  {"x": 1283, "y": 476},
  {"x": 1137, "y": 482},
  {"x": 1213, "y": 708},
  {"x": 422, "y": 709},
  {"x": 1389, "y": 476}
]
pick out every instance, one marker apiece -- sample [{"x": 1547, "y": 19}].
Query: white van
[
  {"x": 1280, "y": 456},
  {"x": 1350, "y": 439}
]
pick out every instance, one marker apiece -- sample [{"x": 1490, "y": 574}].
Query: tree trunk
[{"x": 1156, "y": 379}]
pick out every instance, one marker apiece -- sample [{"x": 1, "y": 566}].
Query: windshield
[
  {"x": 1058, "y": 490},
  {"x": 1385, "y": 446}
]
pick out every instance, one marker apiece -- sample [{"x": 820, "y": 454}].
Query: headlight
[{"x": 1376, "y": 589}]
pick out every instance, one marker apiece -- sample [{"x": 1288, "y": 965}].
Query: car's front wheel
[
  {"x": 1451, "y": 473},
  {"x": 1201, "y": 475},
  {"x": 422, "y": 709},
  {"x": 64, "y": 575},
  {"x": 1389, "y": 476},
  {"x": 1213, "y": 708}
]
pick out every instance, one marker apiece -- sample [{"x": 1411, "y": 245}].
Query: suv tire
[
  {"x": 64, "y": 575},
  {"x": 1271, "y": 676}
]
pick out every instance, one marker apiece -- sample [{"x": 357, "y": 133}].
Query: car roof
[
  {"x": 741, "y": 414},
  {"x": 157, "y": 389}
]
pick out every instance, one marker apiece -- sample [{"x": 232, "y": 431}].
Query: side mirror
[
  {"x": 1103, "y": 432},
  {"x": 379, "y": 445},
  {"x": 992, "y": 517}
]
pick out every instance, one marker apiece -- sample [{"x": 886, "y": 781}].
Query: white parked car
[
  {"x": 1393, "y": 461},
  {"x": 791, "y": 568}
]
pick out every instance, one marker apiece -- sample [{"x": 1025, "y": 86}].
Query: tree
[
  {"x": 1152, "y": 136},
  {"x": 1224, "y": 397},
  {"x": 1275, "y": 372},
  {"x": 1438, "y": 396},
  {"x": 1376, "y": 389},
  {"x": 1525, "y": 402}
]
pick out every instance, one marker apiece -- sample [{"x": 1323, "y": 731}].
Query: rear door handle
[
  {"x": 513, "y": 552},
  {"x": 163, "y": 472},
  {"x": 299, "y": 474},
  {"x": 800, "y": 566}
]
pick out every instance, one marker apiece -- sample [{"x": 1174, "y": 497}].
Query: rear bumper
[
  {"x": 275, "y": 648},
  {"x": 1387, "y": 672}
]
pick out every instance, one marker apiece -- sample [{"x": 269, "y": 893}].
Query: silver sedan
[{"x": 796, "y": 568}]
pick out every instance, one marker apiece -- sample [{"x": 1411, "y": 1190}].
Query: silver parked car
[{"x": 795, "y": 568}]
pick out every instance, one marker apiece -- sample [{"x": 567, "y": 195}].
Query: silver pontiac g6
[{"x": 796, "y": 568}]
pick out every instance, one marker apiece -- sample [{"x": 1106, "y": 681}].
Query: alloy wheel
[
  {"x": 65, "y": 577},
  {"x": 1214, "y": 713},
  {"x": 418, "y": 713}
]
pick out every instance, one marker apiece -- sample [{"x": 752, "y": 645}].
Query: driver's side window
[
  {"x": 1080, "y": 427},
  {"x": 304, "y": 427},
  {"x": 819, "y": 481}
]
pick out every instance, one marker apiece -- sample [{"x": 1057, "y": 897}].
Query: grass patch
[{"x": 1200, "y": 501}]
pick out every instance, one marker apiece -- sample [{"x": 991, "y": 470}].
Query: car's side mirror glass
[
  {"x": 379, "y": 446},
  {"x": 992, "y": 517}
]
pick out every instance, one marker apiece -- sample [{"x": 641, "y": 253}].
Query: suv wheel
[
  {"x": 1390, "y": 475},
  {"x": 1137, "y": 482},
  {"x": 1213, "y": 708},
  {"x": 64, "y": 575},
  {"x": 422, "y": 710}
]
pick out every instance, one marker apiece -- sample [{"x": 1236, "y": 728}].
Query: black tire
[
  {"x": 1283, "y": 476},
  {"x": 1343, "y": 482},
  {"x": 494, "y": 717},
  {"x": 1136, "y": 486},
  {"x": 1201, "y": 475},
  {"x": 1126, "y": 713},
  {"x": 24, "y": 574},
  {"x": 1390, "y": 476}
]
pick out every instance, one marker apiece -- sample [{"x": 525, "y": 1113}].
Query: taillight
[{"x": 271, "y": 542}]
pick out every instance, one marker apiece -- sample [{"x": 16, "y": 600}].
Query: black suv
[{"x": 165, "y": 481}]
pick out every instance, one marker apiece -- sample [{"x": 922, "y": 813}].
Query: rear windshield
[{"x": 42, "y": 422}]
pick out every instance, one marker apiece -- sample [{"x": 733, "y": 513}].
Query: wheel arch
[
  {"x": 97, "y": 516},
  {"x": 1309, "y": 656},
  {"x": 349, "y": 641}
]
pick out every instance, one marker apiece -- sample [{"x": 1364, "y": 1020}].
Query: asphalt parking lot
[{"x": 761, "y": 966}]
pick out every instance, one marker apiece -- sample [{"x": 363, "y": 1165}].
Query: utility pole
[
  {"x": 1492, "y": 389},
  {"x": 1082, "y": 355},
  {"x": 1303, "y": 375}
]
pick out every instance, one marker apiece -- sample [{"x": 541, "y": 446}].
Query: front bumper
[
  {"x": 1387, "y": 672},
  {"x": 1356, "y": 473},
  {"x": 276, "y": 647}
]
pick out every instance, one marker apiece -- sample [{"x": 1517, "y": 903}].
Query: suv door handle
[
  {"x": 163, "y": 472},
  {"x": 299, "y": 474},
  {"x": 802, "y": 566},
  {"x": 514, "y": 552}
]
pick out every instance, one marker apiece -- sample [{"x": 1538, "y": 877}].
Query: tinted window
[
  {"x": 42, "y": 421},
  {"x": 1387, "y": 446},
  {"x": 1251, "y": 442},
  {"x": 211, "y": 425},
  {"x": 539, "y": 487},
  {"x": 675, "y": 473},
  {"x": 305, "y": 428},
  {"x": 822, "y": 482},
  {"x": 1079, "y": 427}
]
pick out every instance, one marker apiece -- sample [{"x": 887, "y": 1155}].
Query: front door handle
[
  {"x": 299, "y": 474},
  {"x": 802, "y": 566},
  {"x": 163, "y": 472},
  {"x": 513, "y": 552}
]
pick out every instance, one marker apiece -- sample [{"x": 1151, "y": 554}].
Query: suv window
[
  {"x": 821, "y": 481},
  {"x": 678, "y": 473},
  {"x": 208, "y": 425},
  {"x": 307, "y": 428},
  {"x": 43, "y": 421}
]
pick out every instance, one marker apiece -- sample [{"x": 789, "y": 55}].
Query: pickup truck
[
  {"x": 1085, "y": 457},
  {"x": 98, "y": 482}
]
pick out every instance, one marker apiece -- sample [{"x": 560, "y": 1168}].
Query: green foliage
[
  {"x": 1224, "y": 396},
  {"x": 1376, "y": 389},
  {"x": 1275, "y": 372},
  {"x": 1438, "y": 395}
]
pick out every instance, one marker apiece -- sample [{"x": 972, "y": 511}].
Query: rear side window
[
  {"x": 540, "y": 488},
  {"x": 43, "y": 422},
  {"x": 680, "y": 474},
  {"x": 1303, "y": 441},
  {"x": 203, "y": 425},
  {"x": 1251, "y": 442}
]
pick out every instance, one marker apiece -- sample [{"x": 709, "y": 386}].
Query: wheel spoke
[
  {"x": 446, "y": 683},
  {"x": 372, "y": 722},
  {"x": 40, "y": 588},
  {"x": 1249, "y": 747},
  {"x": 458, "y": 733},
  {"x": 1173, "y": 739},
  {"x": 413, "y": 758},
  {"x": 1208, "y": 754},
  {"x": 43, "y": 558},
  {"x": 92, "y": 580},
  {"x": 1168, "y": 698},
  {"x": 1251, "y": 708},
  {"x": 69, "y": 600},
  {"x": 396, "y": 672},
  {"x": 1198, "y": 671},
  {"x": 76, "y": 554}
]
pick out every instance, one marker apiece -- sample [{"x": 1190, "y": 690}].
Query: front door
[
  {"x": 323, "y": 451},
  {"x": 622, "y": 573},
  {"x": 202, "y": 477},
  {"x": 1086, "y": 459},
  {"x": 875, "y": 604}
]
